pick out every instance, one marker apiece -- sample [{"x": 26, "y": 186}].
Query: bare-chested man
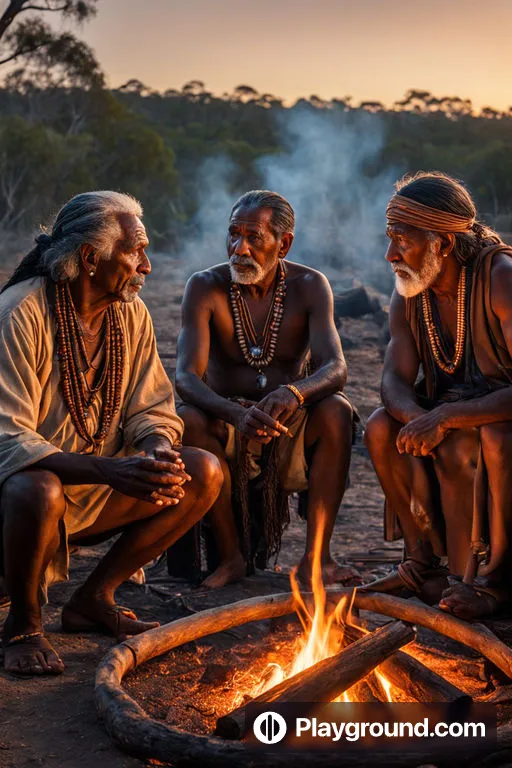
[
  {"x": 443, "y": 448},
  {"x": 249, "y": 325}
]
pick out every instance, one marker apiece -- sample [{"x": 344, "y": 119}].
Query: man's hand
[
  {"x": 148, "y": 478},
  {"x": 255, "y": 424},
  {"x": 281, "y": 404},
  {"x": 166, "y": 453},
  {"x": 421, "y": 436}
]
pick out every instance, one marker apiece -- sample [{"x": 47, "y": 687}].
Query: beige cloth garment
[
  {"x": 291, "y": 459},
  {"x": 291, "y": 454},
  {"x": 34, "y": 421}
]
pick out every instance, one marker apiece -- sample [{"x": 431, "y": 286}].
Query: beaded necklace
[
  {"x": 440, "y": 356},
  {"x": 72, "y": 353},
  {"x": 259, "y": 355}
]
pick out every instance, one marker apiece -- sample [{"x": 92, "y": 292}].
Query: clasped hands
[
  {"x": 422, "y": 435},
  {"x": 267, "y": 419},
  {"x": 156, "y": 476}
]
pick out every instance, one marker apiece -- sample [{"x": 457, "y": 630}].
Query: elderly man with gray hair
[{"x": 89, "y": 436}]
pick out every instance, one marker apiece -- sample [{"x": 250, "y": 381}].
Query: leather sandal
[
  {"x": 412, "y": 573},
  {"x": 118, "y": 620}
]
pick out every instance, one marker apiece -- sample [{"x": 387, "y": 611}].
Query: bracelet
[{"x": 296, "y": 392}]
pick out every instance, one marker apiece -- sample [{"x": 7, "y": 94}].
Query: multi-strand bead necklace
[
  {"x": 74, "y": 364},
  {"x": 259, "y": 355},
  {"x": 443, "y": 361}
]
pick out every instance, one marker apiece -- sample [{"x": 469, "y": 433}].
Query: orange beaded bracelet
[{"x": 296, "y": 392}]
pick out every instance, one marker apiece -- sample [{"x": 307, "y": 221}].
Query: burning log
[
  {"x": 136, "y": 733},
  {"x": 328, "y": 679},
  {"x": 414, "y": 679}
]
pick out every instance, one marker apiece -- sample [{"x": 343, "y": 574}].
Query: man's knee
[
  {"x": 380, "y": 432},
  {"x": 457, "y": 452},
  {"x": 205, "y": 470},
  {"x": 333, "y": 415},
  {"x": 35, "y": 491},
  {"x": 496, "y": 441}
]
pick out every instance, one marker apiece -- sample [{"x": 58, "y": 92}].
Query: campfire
[{"x": 337, "y": 657}]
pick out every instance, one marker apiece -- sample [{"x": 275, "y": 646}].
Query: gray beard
[
  {"x": 418, "y": 281},
  {"x": 254, "y": 274},
  {"x": 129, "y": 294}
]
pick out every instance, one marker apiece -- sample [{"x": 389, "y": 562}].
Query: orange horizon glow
[{"x": 372, "y": 50}]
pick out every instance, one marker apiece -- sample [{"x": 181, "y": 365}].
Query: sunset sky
[{"x": 369, "y": 49}]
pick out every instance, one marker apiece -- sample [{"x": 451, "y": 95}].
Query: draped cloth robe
[
  {"x": 453, "y": 530},
  {"x": 34, "y": 420}
]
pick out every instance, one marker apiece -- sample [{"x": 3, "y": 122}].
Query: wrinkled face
[
  {"x": 124, "y": 273},
  {"x": 253, "y": 249},
  {"x": 415, "y": 259}
]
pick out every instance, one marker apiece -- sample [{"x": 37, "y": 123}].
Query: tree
[{"x": 53, "y": 58}]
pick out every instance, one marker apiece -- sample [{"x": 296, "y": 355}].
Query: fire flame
[{"x": 323, "y": 630}]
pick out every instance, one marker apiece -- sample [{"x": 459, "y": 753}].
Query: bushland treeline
[{"x": 56, "y": 141}]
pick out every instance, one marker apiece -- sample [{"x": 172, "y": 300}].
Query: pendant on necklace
[
  {"x": 256, "y": 351},
  {"x": 261, "y": 380}
]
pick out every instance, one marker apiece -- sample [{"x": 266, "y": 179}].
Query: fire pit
[{"x": 339, "y": 660}]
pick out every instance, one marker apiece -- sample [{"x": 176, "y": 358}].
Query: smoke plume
[{"x": 331, "y": 172}]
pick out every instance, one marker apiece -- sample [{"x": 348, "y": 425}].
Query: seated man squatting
[
  {"x": 89, "y": 436},
  {"x": 442, "y": 448},
  {"x": 248, "y": 329}
]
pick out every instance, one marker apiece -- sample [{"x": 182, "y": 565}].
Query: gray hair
[
  {"x": 89, "y": 218},
  {"x": 92, "y": 218},
  {"x": 283, "y": 216}
]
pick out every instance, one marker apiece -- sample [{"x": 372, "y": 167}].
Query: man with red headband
[{"x": 442, "y": 444}]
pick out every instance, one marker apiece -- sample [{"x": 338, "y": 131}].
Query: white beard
[
  {"x": 418, "y": 281},
  {"x": 247, "y": 276},
  {"x": 129, "y": 293}
]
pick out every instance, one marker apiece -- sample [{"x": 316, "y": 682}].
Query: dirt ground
[{"x": 52, "y": 722}]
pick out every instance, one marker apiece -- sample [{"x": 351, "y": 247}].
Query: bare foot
[
  {"x": 27, "y": 651},
  {"x": 89, "y": 614},
  {"x": 332, "y": 573},
  {"x": 467, "y": 602},
  {"x": 31, "y": 655},
  {"x": 232, "y": 570}
]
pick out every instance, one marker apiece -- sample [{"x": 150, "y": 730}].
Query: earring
[{"x": 92, "y": 273}]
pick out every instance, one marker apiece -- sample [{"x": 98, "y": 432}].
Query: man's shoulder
[
  {"x": 501, "y": 282},
  {"x": 24, "y": 299},
  {"x": 502, "y": 263},
  {"x": 307, "y": 279},
  {"x": 209, "y": 280}
]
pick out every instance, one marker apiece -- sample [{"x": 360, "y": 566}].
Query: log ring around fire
[{"x": 135, "y": 732}]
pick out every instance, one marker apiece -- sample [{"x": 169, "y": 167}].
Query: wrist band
[{"x": 296, "y": 392}]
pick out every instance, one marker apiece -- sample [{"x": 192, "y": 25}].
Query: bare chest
[{"x": 254, "y": 324}]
